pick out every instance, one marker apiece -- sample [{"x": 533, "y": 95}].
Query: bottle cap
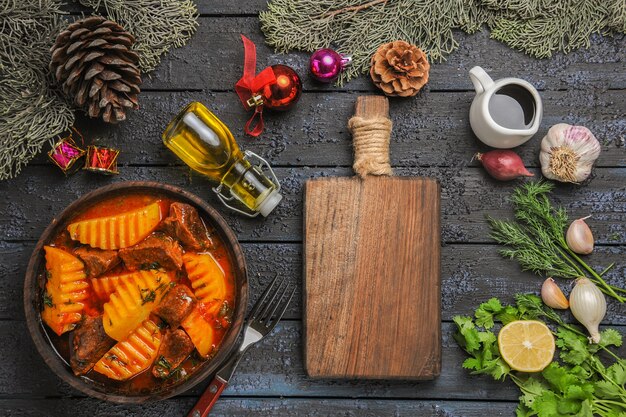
[{"x": 270, "y": 202}]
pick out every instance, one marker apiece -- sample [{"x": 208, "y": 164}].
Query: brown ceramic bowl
[{"x": 34, "y": 283}]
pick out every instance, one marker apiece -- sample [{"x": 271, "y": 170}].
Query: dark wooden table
[{"x": 431, "y": 137}]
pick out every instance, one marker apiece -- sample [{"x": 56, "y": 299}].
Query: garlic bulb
[
  {"x": 552, "y": 295},
  {"x": 568, "y": 153},
  {"x": 588, "y": 305},
  {"x": 579, "y": 237}
]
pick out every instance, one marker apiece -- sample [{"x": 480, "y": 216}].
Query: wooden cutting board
[{"x": 372, "y": 279}]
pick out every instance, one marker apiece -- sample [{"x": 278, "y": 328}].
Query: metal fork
[{"x": 264, "y": 316}]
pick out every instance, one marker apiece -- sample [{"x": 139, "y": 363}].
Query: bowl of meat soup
[{"x": 136, "y": 292}]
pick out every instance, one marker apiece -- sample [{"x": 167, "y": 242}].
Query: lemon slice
[{"x": 526, "y": 345}]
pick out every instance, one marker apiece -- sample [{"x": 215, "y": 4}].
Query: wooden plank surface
[
  {"x": 260, "y": 407},
  {"x": 470, "y": 274},
  {"x": 431, "y": 137},
  {"x": 468, "y": 195},
  {"x": 273, "y": 368},
  {"x": 213, "y": 60},
  {"x": 427, "y": 131}
]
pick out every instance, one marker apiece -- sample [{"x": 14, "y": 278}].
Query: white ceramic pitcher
[{"x": 483, "y": 124}]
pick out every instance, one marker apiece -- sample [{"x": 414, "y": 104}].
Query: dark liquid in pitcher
[{"x": 513, "y": 107}]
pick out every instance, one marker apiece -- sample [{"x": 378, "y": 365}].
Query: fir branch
[
  {"x": 357, "y": 27},
  {"x": 31, "y": 110},
  {"x": 352, "y": 9},
  {"x": 362, "y": 26}
]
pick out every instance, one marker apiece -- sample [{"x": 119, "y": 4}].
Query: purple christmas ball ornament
[{"x": 326, "y": 64}]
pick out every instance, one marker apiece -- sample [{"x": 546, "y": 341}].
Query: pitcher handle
[{"x": 481, "y": 80}]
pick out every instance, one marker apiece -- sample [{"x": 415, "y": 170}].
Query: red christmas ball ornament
[
  {"x": 275, "y": 88},
  {"x": 285, "y": 92}
]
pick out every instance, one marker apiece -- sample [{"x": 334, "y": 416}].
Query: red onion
[{"x": 503, "y": 165}]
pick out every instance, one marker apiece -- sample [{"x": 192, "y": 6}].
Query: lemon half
[{"x": 526, "y": 345}]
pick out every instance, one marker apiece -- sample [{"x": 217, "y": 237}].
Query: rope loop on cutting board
[{"x": 370, "y": 138}]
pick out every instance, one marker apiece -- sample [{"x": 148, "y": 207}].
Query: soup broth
[{"x": 215, "y": 312}]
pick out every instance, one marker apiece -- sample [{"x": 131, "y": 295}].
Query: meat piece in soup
[
  {"x": 176, "y": 346},
  {"x": 97, "y": 261},
  {"x": 156, "y": 251},
  {"x": 88, "y": 343},
  {"x": 184, "y": 224},
  {"x": 176, "y": 305}
]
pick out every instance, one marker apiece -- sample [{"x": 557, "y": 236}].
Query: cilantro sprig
[{"x": 579, "y": 383}]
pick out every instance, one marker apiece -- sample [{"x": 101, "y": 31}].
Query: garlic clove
[
  {"x": 552, "y": 295},
  {"x": 588, "y": 305},
  {"x": 579, "y": 237}
]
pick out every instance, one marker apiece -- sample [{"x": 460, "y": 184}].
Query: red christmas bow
[{"x": 249, "y": 86}]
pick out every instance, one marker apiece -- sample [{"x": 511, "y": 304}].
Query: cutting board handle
[{"x": 371, "y": 132}]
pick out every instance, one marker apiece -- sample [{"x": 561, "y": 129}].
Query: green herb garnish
[
  {"x": 536, "y": 238},
  {"x": 178, "y": 374},
  {"x": 162, "y": 287},
  {"x": 149, "y": 266},
  {"x": 47, "y": 299},
  {"x": 163, "y": 363},
  {"x": 195, "y": 359},
  {"x": 114, "y": 358},
  {"x": 147, "y": 295},
  {"x": 579, "y": 384}
]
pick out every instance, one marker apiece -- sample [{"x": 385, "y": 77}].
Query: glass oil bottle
[{"x": 204, "y": 143}]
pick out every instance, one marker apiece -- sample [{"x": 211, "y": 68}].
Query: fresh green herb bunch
[
  {"x": 536, "y": 238},
  {"x": 581, "y": 384}
]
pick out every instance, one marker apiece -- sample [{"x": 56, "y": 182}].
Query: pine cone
[
  {"x": 399, "y": 69},
  {"x": 92, "y": 61}
]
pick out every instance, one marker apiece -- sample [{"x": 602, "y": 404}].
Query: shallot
[
  {"x": 588, "y": 305},
  {"x": 503, "y": 164}
]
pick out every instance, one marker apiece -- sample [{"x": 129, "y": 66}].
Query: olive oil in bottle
[{"x": 204, "y": 143}]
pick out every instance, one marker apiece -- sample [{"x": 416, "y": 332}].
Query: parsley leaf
[
  {"x": 559, "y": 377},
  {"x": 617, "y": 372},
  {"x": 467, "y": 336},
  {"x": 531, "y": 389},
  {"x": 546, "y": 405},
  {"x": 484, "y": 314},
  {"x": 610, "y": 337},
  {"x": 573, "y": 346},
  {"x": 606, "y": 390}
]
